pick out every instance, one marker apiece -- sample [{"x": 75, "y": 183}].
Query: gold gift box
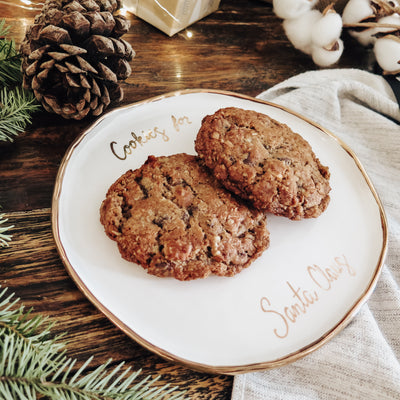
[{"x": 171, "y": 16}]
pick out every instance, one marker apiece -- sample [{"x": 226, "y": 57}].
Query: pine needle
[
  {"x": 4, "y": 237},
  {"x": 16, "y": 107},
  {"x": 34, "y": 366},
  {"x": 10, "y": 60},
  {"x": 16, "y": 104}
]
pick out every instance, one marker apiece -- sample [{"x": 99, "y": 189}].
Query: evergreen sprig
[
  {"x": 10, "y": 59},
  {"x": 35, "y": 366},
  {"x": 16, "y": 104},
  {"x": 4, "y": 237},
  {"x": 16, "y": 107}
]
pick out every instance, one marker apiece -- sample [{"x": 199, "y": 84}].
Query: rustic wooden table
[{"x": 242, "y": 48}]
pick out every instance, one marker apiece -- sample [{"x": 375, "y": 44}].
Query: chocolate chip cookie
[
  {"x": 175, "y": 219},
  {"x": 265, "y": 162}
]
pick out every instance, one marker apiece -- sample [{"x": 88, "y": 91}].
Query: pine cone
[{"x": 74, "y": 57}]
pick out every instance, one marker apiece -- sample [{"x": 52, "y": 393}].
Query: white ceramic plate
[{"x": 302, "y": 291}]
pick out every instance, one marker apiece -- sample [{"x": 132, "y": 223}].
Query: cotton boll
[
  {"x": 356, "y": 11},
  {"x": 387, "y": 53},
  {"x": 393, "y": 19},
  {"x": 367, "y": 37},
  {"x": 327, "y": 29},
  {"x": 325, "y": 57},
  {"x": 299, "y": 30},
  {"x": 292, "y": 8}
]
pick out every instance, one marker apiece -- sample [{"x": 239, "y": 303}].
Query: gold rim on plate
[{"x": 228, "y": 370}]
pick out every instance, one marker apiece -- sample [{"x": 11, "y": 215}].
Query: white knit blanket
[{"x": 363, "y": 361}]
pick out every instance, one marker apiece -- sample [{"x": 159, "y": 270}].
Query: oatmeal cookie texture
[
  {"x": 265, "y": 162},
  {"x": 173, "y": 218}
]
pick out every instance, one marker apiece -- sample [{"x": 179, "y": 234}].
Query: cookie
[
  {"x": 174, "y": 218},
  {"x": 265, "y": 162}
]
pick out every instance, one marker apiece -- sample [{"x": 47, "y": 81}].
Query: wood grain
[{"x": 241, "y": 47}]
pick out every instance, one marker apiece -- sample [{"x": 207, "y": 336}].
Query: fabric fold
[{"x": 362, "y": 361}]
